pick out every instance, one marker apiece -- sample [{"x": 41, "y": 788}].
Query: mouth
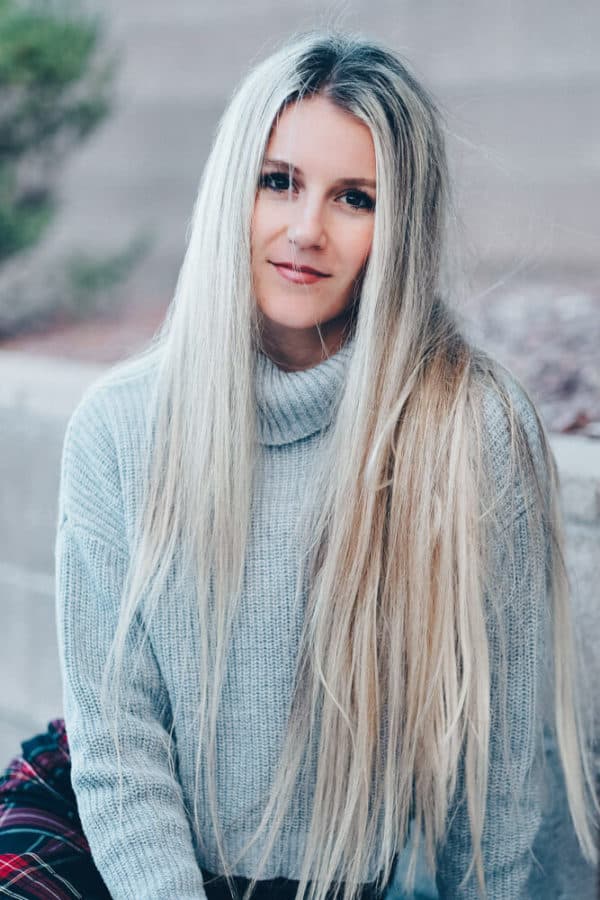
[
  {"x": 307, "y": 269},
  {"x": 298, "y": 274}
]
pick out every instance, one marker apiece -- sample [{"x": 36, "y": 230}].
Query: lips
[
  {"x": 307, "y": 269},
  {"x": 303, "y": 275}
]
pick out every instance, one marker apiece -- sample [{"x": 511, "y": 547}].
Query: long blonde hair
[{"x": 394, "y": 673}]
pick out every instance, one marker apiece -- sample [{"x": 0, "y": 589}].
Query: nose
[{"x": 306, "y": 228}]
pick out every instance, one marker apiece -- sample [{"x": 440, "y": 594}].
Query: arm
[
  {"x": 517, "y": 608},
  {"x": 514, "y": 799},
  {"x": 149, "y": 854}
]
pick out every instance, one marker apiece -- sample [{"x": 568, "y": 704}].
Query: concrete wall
[{"x": 36, "y": 398}]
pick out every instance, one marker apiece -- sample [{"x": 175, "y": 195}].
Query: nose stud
[{"x": 310, "y": 240}]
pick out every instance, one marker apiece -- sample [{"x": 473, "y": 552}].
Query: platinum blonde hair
[{"x": 393, "y": 677}]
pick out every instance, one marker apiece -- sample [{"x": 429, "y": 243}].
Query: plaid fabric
[{"x": 43, "y": 851}]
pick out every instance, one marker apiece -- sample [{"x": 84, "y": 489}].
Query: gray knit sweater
[{"x": 151, "y": 854}]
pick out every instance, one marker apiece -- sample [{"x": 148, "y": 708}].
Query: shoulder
[
  {"x": 514, "y": 443},
  {"x": 105, "y": 442},
  {"x": 507, "y": 410},
  {"x": 119, "y": 399}
]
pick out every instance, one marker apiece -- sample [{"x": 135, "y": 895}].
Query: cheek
[
  {"x": 255, "y": 226},
  {"x": 358, "y": 249},
  {"x": 260, "y": 218},
  {"x": 265, "y": 222}
]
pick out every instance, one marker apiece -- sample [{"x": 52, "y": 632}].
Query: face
[{"x": 313, "y": 220}]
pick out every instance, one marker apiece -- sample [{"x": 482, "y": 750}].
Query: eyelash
[{"x": 267, "y": 178}]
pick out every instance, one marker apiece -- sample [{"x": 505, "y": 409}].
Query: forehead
[{"x": 315, "y": 134}]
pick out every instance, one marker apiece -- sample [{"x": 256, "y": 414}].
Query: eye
[
  {"x": 274, "y": 181},
  {"x": 358, "y": 200}
]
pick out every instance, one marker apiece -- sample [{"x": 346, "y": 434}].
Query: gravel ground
[{"x": 548, "y": 334}]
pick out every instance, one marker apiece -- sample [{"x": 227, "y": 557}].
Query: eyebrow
[{"x": 282, "y": 165}]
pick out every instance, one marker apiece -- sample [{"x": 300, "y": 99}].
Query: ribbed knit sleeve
[
  {"x": 520, "y": 632},
  {"x": 148, "y": 854}
]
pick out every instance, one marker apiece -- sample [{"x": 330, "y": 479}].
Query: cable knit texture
[{"x": 151, "y": 854}]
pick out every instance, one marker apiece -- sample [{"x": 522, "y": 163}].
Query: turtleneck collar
[{"x": 294, "y": 405}]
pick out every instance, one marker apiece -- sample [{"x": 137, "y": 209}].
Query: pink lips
[{"x": 300, "y": 275}]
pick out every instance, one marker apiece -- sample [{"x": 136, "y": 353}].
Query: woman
[{"x": 309, "y": 557}]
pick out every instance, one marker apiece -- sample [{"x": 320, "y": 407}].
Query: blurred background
[
  {"x": 107, "y": 112},
  {"x": 519, "y": 84},
  {"x": 109, "y": 188}
]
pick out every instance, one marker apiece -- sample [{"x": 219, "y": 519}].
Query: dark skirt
[{"x": 43, "y": 850}]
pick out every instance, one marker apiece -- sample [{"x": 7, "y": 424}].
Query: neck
[{"x": 294, "y": 349}]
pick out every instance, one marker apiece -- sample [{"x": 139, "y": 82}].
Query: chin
[{"x": 300, "y": 318}]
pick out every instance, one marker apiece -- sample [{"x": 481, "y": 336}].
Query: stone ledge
[
  {"x": 578, "y": 460},
  {"x": 52, "y": 387},
  {"x": 43, "y": 384}
]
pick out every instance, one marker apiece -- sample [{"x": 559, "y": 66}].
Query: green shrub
[{"x": 55, "y": 88}]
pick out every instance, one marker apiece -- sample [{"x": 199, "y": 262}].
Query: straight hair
[{"x": 396, "y": 662}]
